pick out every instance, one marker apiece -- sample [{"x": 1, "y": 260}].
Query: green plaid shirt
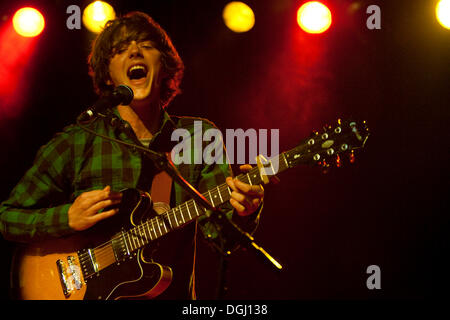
[{"x": 76, "y": 161}]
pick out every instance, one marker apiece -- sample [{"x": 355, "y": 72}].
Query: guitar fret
[
  {"x": 133, "y": 243},
  {"x": 215, "y": 197},
  {"x": 196, "y": 210},
  {"x": 285, "y": 160},
  {"x": 249, "y": 180},
  {"x": 182, "y": 215},
  {"x": 175, "y": 219},
  {"x": 125, "y": 242},
  {"x": 162, "y": 223},
  {"x": 179, "y": 221},
  {"x": 168, "y": 218},
  {"x": 160, "y": 233},
  {"x": 152, "y": 228},
  {"x": 136, "y": 237},
  {"x": 210, "y": 198},
  {"x": 129, "y": 241},
  {"x": 218, "y": 191},
  {"x": 144, "y": 238},
  {"x": 174, "y": 215},
  {"x": 146, "y": 229},
  {"x": 189, "y": 212},
  {"x": 130, "y": 238},
  {"x": 144, "y": 235},
  {"x": 141, "y": 238}
]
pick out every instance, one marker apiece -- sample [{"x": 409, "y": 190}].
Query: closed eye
[
  {"x": 146, "y": 45},
  {"x": 124, "y": 45}
]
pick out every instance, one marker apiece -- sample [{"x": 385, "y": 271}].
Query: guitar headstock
[{"x": 326, "y": 148}]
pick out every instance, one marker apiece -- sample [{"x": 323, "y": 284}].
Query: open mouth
[{"x": 137, "y": 72}]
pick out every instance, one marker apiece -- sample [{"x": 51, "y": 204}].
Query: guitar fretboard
[{"x": 188, "y": 211}]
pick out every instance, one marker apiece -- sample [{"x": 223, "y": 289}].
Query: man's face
[{"x": 137, "y": 64}]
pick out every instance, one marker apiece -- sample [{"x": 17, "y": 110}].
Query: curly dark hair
[{"x": 136, "y": 26}]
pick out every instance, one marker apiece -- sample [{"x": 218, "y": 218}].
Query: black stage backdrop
[{"x": 389, "y": 208}]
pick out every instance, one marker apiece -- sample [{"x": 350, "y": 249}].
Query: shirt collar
[{"x": 161, "y": 140}]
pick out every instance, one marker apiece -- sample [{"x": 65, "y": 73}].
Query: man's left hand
[{"x": 245, "y": 198}]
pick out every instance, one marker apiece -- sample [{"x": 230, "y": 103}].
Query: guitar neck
[
  {"x": 314, "y": 150},
  {"x": 188, "y": 211}
]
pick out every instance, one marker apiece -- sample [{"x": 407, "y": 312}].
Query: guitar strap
[
  {"x": 161, "y": 188},
  {"x": 160, "y": 194}
]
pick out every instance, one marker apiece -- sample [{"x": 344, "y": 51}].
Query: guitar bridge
[{"x": 69, "y": 274}]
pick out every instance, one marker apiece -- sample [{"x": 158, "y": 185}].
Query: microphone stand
[{"x": 243, "y": 238}]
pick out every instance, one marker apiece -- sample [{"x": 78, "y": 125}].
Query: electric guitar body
[{"x": 62, "y": 269}]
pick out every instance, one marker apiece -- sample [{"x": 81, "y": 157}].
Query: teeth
[
  {"x": 137, "y": 72},
  {"x": 136, "y": 68}
]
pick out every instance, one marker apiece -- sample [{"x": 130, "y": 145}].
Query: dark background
[{"x": 389, "y": 208}]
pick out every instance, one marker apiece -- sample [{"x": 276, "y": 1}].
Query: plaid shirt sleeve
[
  {"x": 33, "y": 209},
  {"x": 72, "y": 163}
]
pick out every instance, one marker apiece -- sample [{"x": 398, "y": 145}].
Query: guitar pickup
[
  {"x": 69, "y": 275},
  {"x": 62, "y": 272},
  {"x": 75, "y": 272}
]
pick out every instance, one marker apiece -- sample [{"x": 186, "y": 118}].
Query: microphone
[{"x": 120, "y": 95}]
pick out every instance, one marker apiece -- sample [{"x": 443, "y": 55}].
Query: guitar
[{"x": 71, "y": 268}]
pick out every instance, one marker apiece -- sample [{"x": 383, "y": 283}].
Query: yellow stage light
[
  {"x": 96, "y": 14},
  {"x": 443, "y": 13},
  {"x": 238, "y": 16},
  {"x": 314, "y": 17},
  {"x": 28, "y": 22}
]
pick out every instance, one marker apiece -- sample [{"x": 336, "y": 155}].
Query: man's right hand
[{"x": 83, "y": 213}]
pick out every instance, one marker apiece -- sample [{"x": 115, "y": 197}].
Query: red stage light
[
  {"x": 314, "y": 17},
  {"x": 15, "y": 55},
  {"x": 28, "y": 22}
]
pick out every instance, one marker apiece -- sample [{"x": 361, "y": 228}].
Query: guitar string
[
  {"x": 137, "y": 234},
  {"x": 106, "y": 250},
  {"x": 170, "y": 214}
]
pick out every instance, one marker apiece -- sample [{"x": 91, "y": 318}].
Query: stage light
[
  {"x": 314, "y": 17},
  {"x": 96, "y": 14},
  {"x": 28, "y": 22},
  {"x": 16, "y": 56},
  {"x": 238, "y": 16},
  {"x": 443, "y": 13}
]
